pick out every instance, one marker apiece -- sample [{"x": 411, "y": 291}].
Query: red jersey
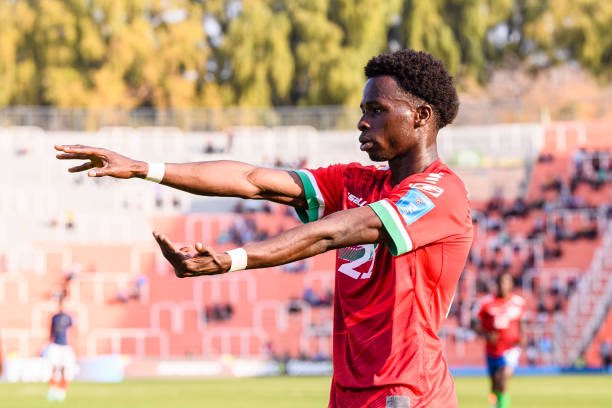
[
  {"x": 390, "y": 301},
  {"x": 502, "y": 315}
]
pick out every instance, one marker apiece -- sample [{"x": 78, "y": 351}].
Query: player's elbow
[
  {"x": 339, "y": 231},
  {"x": 249, "y": 186}
]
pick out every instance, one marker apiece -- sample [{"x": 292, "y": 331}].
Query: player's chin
[{"x": 376, "y": 156}]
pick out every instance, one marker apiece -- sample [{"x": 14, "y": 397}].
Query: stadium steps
[
  {"x": 588, "y": 305},
  {"x": 592, "y": 355}
]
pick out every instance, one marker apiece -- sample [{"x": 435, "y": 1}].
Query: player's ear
[{"x": 422, "y": 115}]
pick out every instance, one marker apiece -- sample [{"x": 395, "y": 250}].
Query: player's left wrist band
[
  {"x": 239, "y": 259},
  {"x": 156, "y": 172}
]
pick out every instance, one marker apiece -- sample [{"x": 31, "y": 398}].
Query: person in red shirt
[
  {"x": 403, "y": 232},
  {"x": 500, "y": 322}
]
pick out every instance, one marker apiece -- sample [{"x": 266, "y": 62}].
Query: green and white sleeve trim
[
  {"x": 314, "y": 198},
  {"x": 401, "y": 242}
]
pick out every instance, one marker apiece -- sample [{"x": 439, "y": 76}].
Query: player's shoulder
[
  {"x": 438, "y": 181},
  {"x": 365, "y": 168},
  {"x": 349, "y": 169},
  {"x": 485, "y": 301},
  {"x": 365, "y": 174},
  {"x": 517, "y": 300}
]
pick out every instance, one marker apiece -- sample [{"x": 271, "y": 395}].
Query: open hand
[
  {"x": 102, "y": 162},
  {"x": 191, "y": 261}
]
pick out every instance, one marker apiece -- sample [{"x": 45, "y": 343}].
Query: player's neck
[{"x": 415, "y": 161}]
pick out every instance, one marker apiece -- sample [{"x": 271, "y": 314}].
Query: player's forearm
[
  {"x": 335, "y": 231},
  {"x": 214, "y": 178},
  {"x": 227, "y": 178}
]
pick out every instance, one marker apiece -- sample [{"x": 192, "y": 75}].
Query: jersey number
[{"x": 349, "y": 268}]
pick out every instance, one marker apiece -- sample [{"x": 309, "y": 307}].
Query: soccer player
[
  {"x": 500, "y": 323},
  {"x": 60, "y": 354},
  {"x": 403, "y": 231}
]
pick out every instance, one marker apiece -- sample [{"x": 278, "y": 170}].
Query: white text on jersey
[{"x": 357, "y": 200}]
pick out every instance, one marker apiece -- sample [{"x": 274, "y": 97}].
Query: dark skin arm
[
  {"x": 344, "y": 228},
  {"x": 214, "y": 178},
  {"x": 490, "y": 337},
  {"x": 228, "y": 178}
]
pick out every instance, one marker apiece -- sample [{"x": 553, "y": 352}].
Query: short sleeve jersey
[
  {"x": 60, "y": 322},
  {"x": 502, "y": 315},
  {"x": 390, "y": 300}
]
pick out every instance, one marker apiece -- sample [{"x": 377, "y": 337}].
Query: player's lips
[{"x": 365, "y": 144}]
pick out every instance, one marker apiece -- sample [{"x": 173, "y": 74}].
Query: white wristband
[
  {"x": 156, "y": 172},
  {"x": 239, "y": 259}
]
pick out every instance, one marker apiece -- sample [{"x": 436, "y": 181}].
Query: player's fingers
[
  {"x": 80, "y": 149},
  {"x": 106, "y": 170},
  {"x": 163, "y": 246},
  {"x": 167, "y": 242},
  {"x": 209, "y": 252},
  {"x": 82, "y": 167},
  {"x": 167, "y": 246},
  {"x": 71, "y": 156},
  {"x": 212, "y": 253}
]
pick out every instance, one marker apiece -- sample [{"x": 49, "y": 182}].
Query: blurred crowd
[{"x": 531, "y": 239}]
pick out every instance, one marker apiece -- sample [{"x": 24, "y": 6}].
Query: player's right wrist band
[
  {"x": 239, "y": 259},
  {"x": 155, "y": 172}
]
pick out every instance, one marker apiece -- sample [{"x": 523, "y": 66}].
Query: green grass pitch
[{"x": 526, "y": 392}]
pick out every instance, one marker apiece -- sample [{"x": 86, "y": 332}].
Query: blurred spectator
[
  {"x": 310, "y": 297},
  {"x": 496, "y": 202},
  {"x": 295, "y": 267},
  {"x": 22, "y": 151},
  {"x": 559, "y": 230},
  {"x": 553, "y": 183},
  {"x": 210, "y": 148},
  {"x": 243, "y": 229},
  {"x": 294, "y": 305},
  {"x": 69, "y": 220},
  {"x": 517, "y": 209},
  {"x": 137, "y": 287},
  {"x": 546, "y": 158},
  {"x": 327, "y": 298},
  {"x": 176, "y": 202},
  {"x": 531, "y": 352},
  {"x": 572, "y": 282},
  {"x": 268, "y": 351},
  {"x": 545, "y": 347},
  {"x": 159, "y": 196},
  {"x": 541, "y": 310},
  {"x": 121, "y": 296},
  {"x": 218, "y": 312}
]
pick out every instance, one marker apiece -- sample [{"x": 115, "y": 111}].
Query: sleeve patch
[{"x": 414, "y": 205}]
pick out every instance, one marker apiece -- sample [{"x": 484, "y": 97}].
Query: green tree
[
  {"x": 365, "y": 34},
  {"x": 578, "y": 30},
  {"x": 471, "y": 22},
  {"x": 257, "y": 46},
  {"x": 9, "y": 42},
  {"x": 424, "y": 28},
  {"x": 316, "y": 44}
]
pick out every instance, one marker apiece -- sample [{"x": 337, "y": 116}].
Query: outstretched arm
[
  {"x": 214, "y": 178},
  {"x": 340, "y": 229}
]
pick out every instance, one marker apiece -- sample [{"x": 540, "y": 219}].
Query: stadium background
[{"x": 276, "y": 83}]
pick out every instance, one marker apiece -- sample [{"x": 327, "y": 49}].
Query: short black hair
[{"x": 421, "y": 75}]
